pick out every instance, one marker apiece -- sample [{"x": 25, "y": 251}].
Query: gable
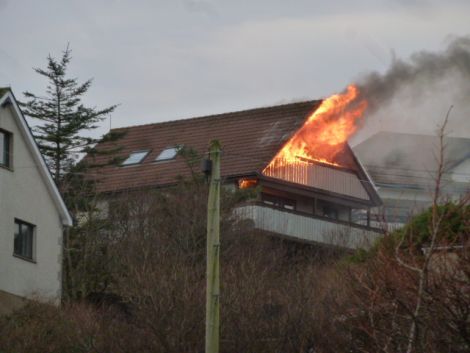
[
  {"x": 28, "y": 164},
  {"x": 350, "y": 181}
]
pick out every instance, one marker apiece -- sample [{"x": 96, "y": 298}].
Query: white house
[{"x": 32, "y": 215}]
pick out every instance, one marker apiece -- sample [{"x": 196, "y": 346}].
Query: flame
[
  {"x": 324, "y": 133},
  {"x": 246, "y": 183}
]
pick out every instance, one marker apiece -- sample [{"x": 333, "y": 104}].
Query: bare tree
[{"x": 410, "y": 293}]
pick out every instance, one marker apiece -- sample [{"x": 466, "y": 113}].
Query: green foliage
[
  {"x": 359, "y": 256},
  {"x": 453, "y": 226},
  {"x": 62, "y": 116},
  {"x": 416, "y": 234},
  {"x": 63, "y": 121}
]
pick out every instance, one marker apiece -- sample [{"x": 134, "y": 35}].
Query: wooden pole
[{"x": 213, "y": 246}]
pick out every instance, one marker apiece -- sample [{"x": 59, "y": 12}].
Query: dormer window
[
  {"x": 5, "y": 148},
  {"x": 168, "y": 153},
  {"x": 135, "y": 157}
]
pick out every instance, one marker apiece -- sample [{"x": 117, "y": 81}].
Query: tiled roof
[{"x": 249, "y": 140}]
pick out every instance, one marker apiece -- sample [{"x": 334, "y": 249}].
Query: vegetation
[
  {"x": 385, "y": 287},
  {"x": 62, "y": 134},
  {"x": 141, "y": 287},
  {"x": 62, "y": 116}
]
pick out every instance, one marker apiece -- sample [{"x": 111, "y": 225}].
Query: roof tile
[{"x": 249, "y": 140}]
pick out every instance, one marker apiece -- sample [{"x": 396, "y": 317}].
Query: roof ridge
[{"x": 219, "y": 115}]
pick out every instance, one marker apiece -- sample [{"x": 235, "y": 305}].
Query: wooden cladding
[{"x": 319, "y": 176}]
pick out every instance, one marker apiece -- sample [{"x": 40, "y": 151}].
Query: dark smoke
[
  {"x": 414, "y": 95},
  {"x": 423, "y": 70}
]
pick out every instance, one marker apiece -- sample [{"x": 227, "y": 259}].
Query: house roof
[
  {"x": 409, "y": 159},
  {"x": 250, "y": 139},
  {"x": 7, "y": 97}
]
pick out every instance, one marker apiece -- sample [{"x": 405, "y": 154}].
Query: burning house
[{"x": 313, "y": 187}]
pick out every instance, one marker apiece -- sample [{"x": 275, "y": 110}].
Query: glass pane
[
  {"x": 168, "y": 153},
  {"x": 23, "y": 242},
  {"x": 2, "y": 147},
  {"x": 135, "y": 157},
  {"x": 28, "y": 241},
  {"x": 6, "y": 146},
  {"x": 17, "y": 242}
]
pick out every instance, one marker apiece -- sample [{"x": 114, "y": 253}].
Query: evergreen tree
[{"x": 63, "y": 117}]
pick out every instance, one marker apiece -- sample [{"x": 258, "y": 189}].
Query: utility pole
[{"x": 213, "y": 247}]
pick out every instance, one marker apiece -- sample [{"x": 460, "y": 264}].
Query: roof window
[
  {"x": 135, "y": 157},
  {"x": 168, "y": 153}
]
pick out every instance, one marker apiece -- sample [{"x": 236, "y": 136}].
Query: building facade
[
  {"x": 32, "y": 215},
  {"x": 306, "y": 200}
]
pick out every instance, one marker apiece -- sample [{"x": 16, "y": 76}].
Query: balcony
[
  {"x": 307, "y": 227},
  {"x": 318, "y": 175}
]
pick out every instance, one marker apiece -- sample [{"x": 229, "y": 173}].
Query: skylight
[
  {"x": 135, "y": 157},
  {"x": 168, "y": 153}
]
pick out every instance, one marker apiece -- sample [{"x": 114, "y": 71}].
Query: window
[
  {"x": 5, "y": 148},
  {"x": 330, "y": 211},
  {"x": 135, "y": 157},
  {"x": 279, "y": 202},
  {"x": 168, "y": 153},
  {"x": 23, "y": 243},
  {"x": 327, "y": 209}
]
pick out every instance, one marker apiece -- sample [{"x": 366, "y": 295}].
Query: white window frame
[
  {"x": 145, "y": 154},
  {"x": 174, "y": 149}
]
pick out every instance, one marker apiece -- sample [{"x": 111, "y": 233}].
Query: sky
[{"x": 169, "y": 59}]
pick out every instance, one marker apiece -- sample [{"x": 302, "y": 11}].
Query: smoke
[{"x": 413, "y": 96}]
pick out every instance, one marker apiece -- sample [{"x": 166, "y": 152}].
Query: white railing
[
  {"x": 307, "y": 228},
  {"x": 321, "y": 176}
]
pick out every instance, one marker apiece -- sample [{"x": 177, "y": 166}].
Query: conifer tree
[{"x": 63, "y": 118}]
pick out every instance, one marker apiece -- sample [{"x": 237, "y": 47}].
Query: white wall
[
  {"x": 307, "y": 228},
  {"x": 24, "y": 195}
]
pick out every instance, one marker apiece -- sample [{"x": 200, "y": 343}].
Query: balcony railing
[
  {"x": 321, "y": 176},
  {"x": 308, "y": 227}
]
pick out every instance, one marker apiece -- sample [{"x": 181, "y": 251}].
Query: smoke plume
[{"x": 413, "y": 96}]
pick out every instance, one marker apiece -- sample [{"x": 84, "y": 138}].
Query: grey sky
[{"x": 173, "y": 59}]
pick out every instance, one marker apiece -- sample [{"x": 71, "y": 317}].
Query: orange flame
[
  {"x": 327, "y": 129},
  {"x": 246, "y": 183}
]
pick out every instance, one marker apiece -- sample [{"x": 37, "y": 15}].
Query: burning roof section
[
  {"x": 249, "y": 139},
  {"x": 317, "y": 155},
  {"x": 303, "y": 143}
]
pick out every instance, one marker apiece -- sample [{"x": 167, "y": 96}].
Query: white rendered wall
[{"x": 24, "y": 195}]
